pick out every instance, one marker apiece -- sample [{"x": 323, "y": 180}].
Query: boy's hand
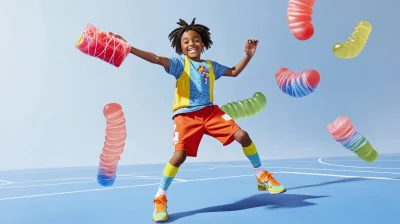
[
  {"x": 117, "y": 36},
  {"x": 250, "y": 47}
]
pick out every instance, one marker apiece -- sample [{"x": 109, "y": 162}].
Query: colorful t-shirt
[{"x": 195, "y": 83}]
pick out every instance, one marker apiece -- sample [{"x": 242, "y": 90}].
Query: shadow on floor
[
  {"x": 346, "y": 180},
  {"x": 266, "y": 200},
  {"x": 260, "y": 200}
]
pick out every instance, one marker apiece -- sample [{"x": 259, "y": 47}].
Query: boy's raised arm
[
  {"x": 236, "y": 70},
  {"x": 150, "y": 57},
  {"x": 250, "y": 50}
]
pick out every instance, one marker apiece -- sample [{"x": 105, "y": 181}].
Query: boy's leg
[
  {"x": 160, "y": 201},
  {"x": 169, "y": 174},
  {"x": 220, "y": 126},
  {"x": 187, "y": 136},
  {"x": 251, "y": 153},
  {"x": 265, "y": 180}
]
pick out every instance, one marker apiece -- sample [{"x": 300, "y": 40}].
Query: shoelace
[
  {"x": 269, "y": 177},
  {"x": 160, "y": 204}
]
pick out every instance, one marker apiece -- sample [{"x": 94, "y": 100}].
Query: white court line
[
  {"x": 350, "y": 171},
  {"x": 305, "y": 168},
  {"x": 346, "y": 176},
  {"x": 82, "y": 182},
  {"x": 138, "y": 176},
  {"x": 278, "y": 167},
  {"x": 181, "y": 170},
  {"x": 60, "y": 179},
  {"x": 357, "y": 160},
  {"x": 265, "y": 162},
  {"x": 91, "y": 168},
  {"x": 45, "y": 185},
  {"x": 262, "y": 161},
  {"x": 49, "y": 171},
  {"x": 215, "y": 165},
  {"x": 194, "y": 180},
  {"x": 183, "y": 180},
  {"x": 248, "y": 164},
  {"x": 360, "y": 167},
  {"x": 189, "y": 163},
  {"x": 79, "y": 169},
  {"x": 4, "y": 182},
  {"x": 58, "y": 184},
  {"x": 148, "y": 177},
  {"x": 112, "y": 188},
  {"x": 75, "y": 192}
]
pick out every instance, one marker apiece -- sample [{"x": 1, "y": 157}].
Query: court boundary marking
[
  {"x": 358, "y": 167},
  {"x": 136, "y": 176},
  {"x": 264, "y": 161},
  {"x": 214, "y": 167},
  {"x": 186, "y": 181},
  {"x": 142, "y": 175},
  {"x": 84, "y": 180},
  {"x": 4, "y": 182},
  {"x": 188, "y": 163}
]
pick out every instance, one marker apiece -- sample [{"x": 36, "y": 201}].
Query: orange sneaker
[
  {"x": 160, "y": 213},
  {"x": 266, "y": 182}
]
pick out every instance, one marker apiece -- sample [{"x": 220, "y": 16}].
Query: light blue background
[{"x": 53, "y": 96}]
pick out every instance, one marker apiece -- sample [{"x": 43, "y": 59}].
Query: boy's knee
[
  {"x": 242, "y": 137},
  {"x": 178, "y": 158}
]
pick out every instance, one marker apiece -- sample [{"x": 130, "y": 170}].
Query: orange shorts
[{"x": 189, "y": 128}]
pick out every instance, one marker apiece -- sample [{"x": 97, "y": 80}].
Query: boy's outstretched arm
[
  {"x": 250, "y": 50},
  {"x": 148, "y": 56}
]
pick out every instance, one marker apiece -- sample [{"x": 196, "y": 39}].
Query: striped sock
[
  {"x": 252, "y": 154},
  {"x": 169, "y": 174}
]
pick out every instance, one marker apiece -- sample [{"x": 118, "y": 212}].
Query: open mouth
[{"x": 192, "y": 50}]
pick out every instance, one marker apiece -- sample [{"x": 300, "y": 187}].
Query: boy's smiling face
[{"x": 191, "y": 43}]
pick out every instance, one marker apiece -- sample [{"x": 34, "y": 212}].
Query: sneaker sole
[
  {"x": 161, "y": 220},
  {"x": 277, "y": 192},
  {"x": 262, "y": 188}
]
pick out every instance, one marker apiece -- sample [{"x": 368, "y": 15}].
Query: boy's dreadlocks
[{"x": 176, "y": 35}]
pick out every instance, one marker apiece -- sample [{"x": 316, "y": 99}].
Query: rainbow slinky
[
  {"x": 342, "y": 130},
  {"x": 114, "y": 144},
  {"x": 297, "y": 84}
]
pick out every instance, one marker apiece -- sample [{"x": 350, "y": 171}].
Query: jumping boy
[{"x": 194, "y": 113}]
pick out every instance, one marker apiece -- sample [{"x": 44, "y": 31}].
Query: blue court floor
[{"x": 320, "y": 190}]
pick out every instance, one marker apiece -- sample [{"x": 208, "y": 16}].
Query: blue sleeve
[
  {"x": 219, "y": 70},
  {"x": 175, "y": 67}
]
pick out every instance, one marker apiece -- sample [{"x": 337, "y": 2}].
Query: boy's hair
[{"x": 176, "y": 35}]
